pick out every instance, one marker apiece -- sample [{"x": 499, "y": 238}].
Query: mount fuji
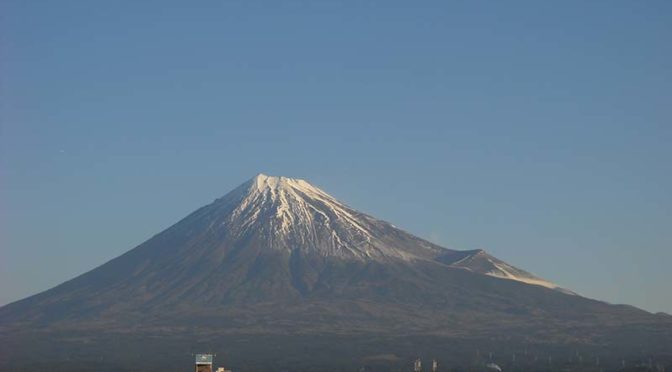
[{"x": 278, "y": 268}]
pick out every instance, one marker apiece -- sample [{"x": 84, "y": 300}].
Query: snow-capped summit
[
  {"x": 292, "y": 215},
  {"x": 262, "y": 181}
]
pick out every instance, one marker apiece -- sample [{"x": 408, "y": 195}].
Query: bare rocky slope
[{"x": 277, "y": 268}]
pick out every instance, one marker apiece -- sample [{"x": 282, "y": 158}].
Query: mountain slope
[
  {"x": 277, "y": 230},
  {"x": 278, "y": 256}
]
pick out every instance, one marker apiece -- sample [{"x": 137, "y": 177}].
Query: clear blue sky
[{"x": 540, "y": 131}]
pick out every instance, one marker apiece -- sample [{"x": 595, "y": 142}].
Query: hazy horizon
[{"x": 540, "y": 133}]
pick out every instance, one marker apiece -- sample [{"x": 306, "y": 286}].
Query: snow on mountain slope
[
  {"x": 291, "y": 214},
  {"x": 288, "y": 214},
  {"x": 481, "y": 262}
]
